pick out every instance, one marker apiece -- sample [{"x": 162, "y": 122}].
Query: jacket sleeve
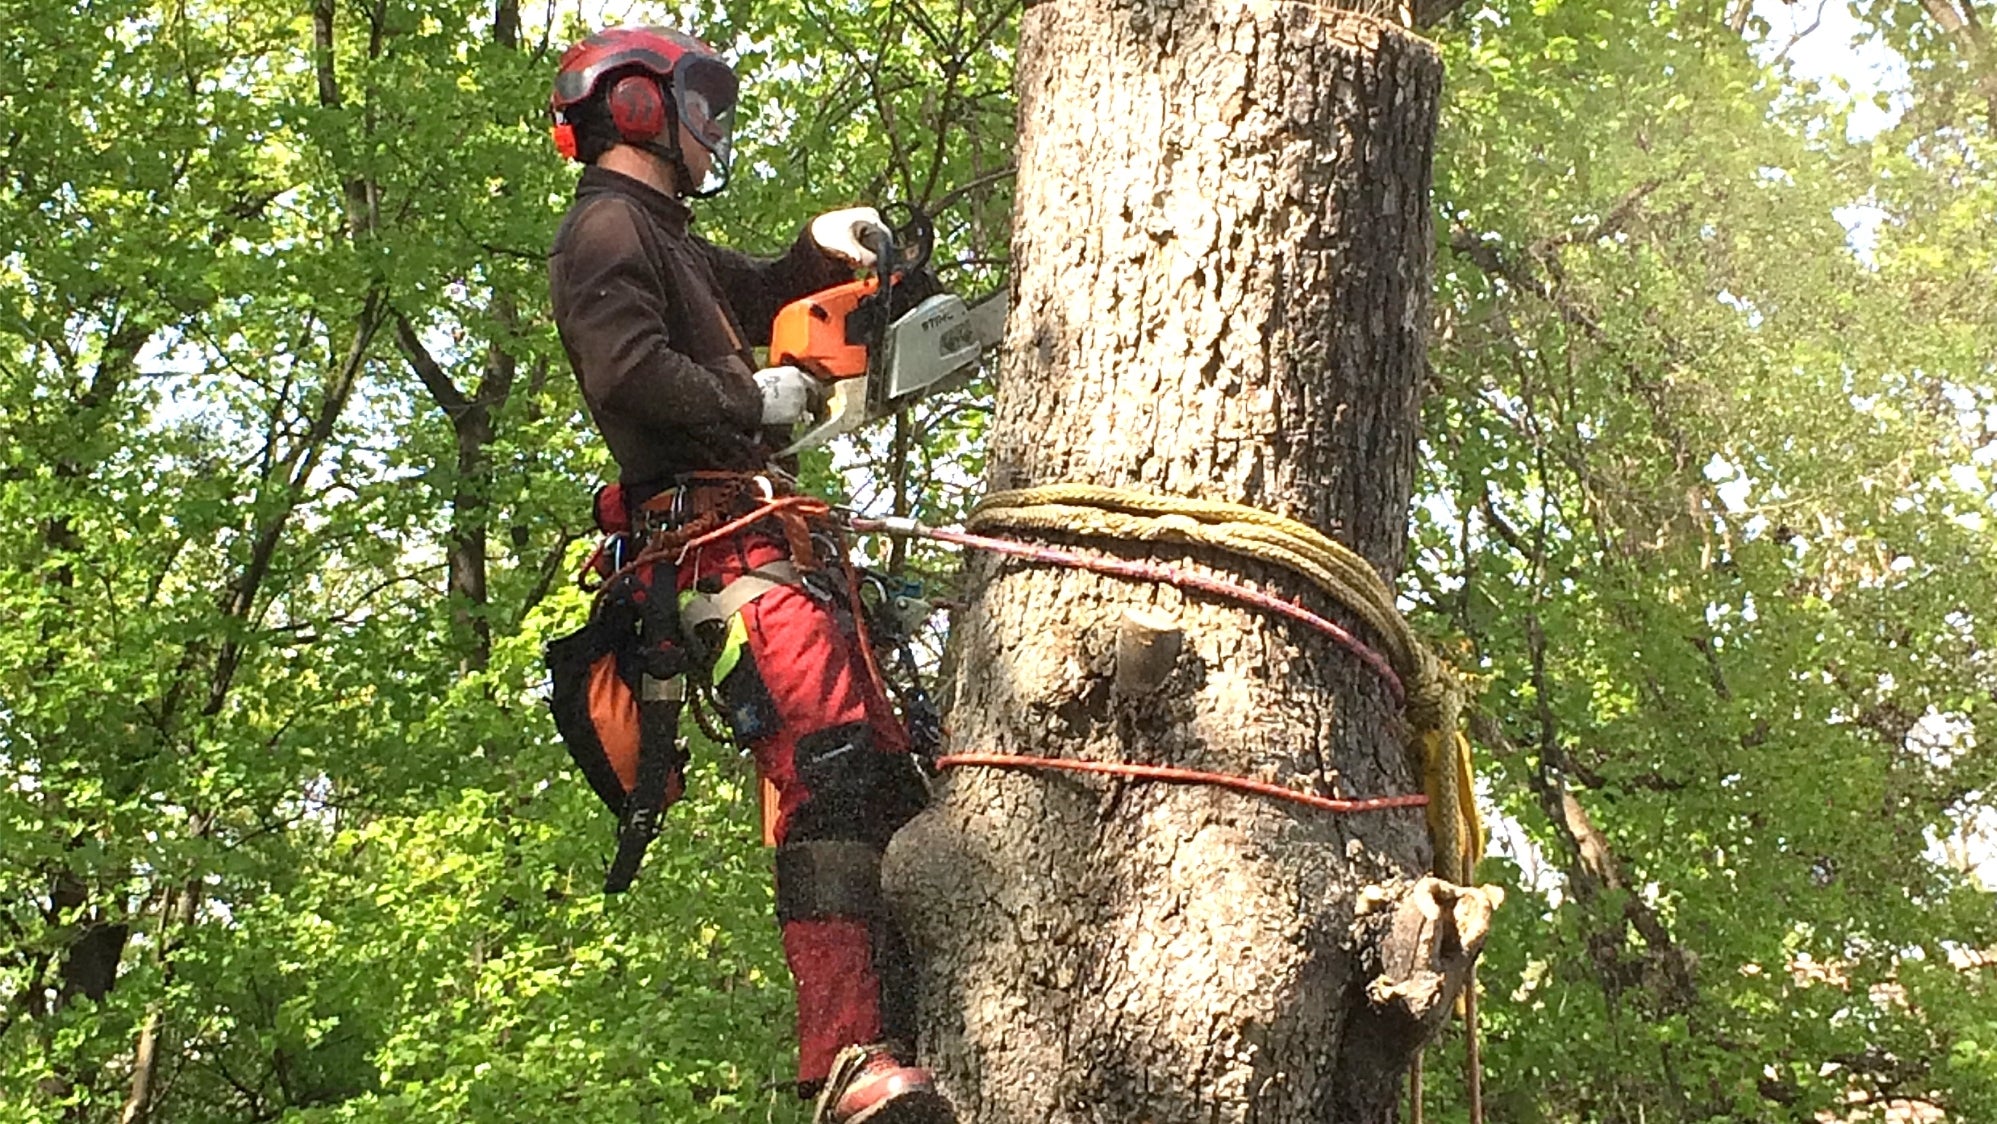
[
  {"x": 610, "y": 305},
  {"x": 757, "y": 287}
]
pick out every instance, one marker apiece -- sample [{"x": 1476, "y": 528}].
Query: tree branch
[
  {"x": 1428, "y": 13},
  {"x": 241, "y": 595},
  {"x": 435, "y": 379},
  {"x": 1593, "y": 868},
  {"x": 1961, "y": 25}
]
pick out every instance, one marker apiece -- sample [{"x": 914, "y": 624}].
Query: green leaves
[
  {"x": 1698, "y": 549},
  {"x": 240, "y": 489}
]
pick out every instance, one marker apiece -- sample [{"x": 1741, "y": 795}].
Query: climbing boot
[{"x": 870, "y": 1085}]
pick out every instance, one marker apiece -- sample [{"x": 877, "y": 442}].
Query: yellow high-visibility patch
[{"x": 731, "y": 648}]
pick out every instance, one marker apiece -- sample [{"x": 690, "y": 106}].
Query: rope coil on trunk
[
  {"x": 1433, "y": 701},
  {"x": 1182, "y": 579}
]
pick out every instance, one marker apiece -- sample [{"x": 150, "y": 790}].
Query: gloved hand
[
  {"x": 788, "y": 394},
  {"x": 838, "y": 233}
]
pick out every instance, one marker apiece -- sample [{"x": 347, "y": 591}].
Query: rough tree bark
[{"x": 1221, "y": 253}]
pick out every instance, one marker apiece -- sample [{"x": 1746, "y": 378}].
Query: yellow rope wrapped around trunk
[{"x": 1437, "y": 748}]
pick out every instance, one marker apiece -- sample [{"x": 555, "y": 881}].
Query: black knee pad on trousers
[
  {"x": 852, "y": 790},
  {"x": 828, "y": 878}
]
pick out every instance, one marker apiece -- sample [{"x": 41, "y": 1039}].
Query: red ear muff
[
  {"x": 637, "y": 108},
  {"x": 565, "y": 139}
]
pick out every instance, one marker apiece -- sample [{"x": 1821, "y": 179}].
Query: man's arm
[
  {"x": 756, "y": 288},
  {"x": 611, "y": 309}
]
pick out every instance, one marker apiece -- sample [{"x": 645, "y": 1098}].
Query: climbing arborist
[{"x": 658, "y": 325}]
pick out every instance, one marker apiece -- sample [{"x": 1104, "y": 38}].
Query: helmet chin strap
[
  {"x": 670, "y": 151},
  {"x": 674, "y": 154},
  {"x": 676, "y": 161}
]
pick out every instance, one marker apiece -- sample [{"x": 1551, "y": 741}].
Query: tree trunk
[
  {"x": 471, "y": 513},
  {"x": 1221, "y": 254}
]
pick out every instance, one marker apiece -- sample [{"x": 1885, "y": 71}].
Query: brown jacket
[{"x": 658, "y": 324}]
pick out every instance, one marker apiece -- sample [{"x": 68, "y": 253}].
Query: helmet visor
[
  {"x": 704, "y": 92},
  {"x": 576, "y": 82}
]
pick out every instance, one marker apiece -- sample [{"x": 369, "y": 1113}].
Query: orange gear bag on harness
[{"x": 618, "y": 684}]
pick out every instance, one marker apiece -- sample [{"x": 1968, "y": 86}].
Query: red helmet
[{"x": 643, "y": 64}]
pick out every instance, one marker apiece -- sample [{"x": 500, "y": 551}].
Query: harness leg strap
[{"x": 697, "y": 609}]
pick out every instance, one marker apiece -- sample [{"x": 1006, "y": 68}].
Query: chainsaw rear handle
[
  {"x": 900, "y": 250},
  {"x": 879, "y": 241}
]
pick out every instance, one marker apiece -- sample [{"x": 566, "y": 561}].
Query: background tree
[
  {"x": 282, "y": 419},
  {"x": 1721, "y": 589}
]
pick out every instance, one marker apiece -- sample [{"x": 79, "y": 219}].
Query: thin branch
[
  {"x": 544, "y": 579},
  {"x": 502, "y": 366},
  {"x": 1611, "y": 223},
  {"x": 241, "y": 595},
  {"x": 435, "y": 379},
  {"x": 950, "y": 197},
  {"x": 1962, "y": 25},
  {"x": 1799, "y": 36}
]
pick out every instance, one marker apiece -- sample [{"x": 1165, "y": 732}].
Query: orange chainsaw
[{"x": 883, "y": 341}]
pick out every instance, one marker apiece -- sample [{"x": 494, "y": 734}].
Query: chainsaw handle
[{"x": 879, "y": 241}]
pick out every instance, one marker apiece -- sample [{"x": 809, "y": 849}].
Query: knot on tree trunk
[{"x": 1426, "y": 937}]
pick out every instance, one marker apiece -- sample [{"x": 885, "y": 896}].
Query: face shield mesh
[{"x": 704, "y": 92}]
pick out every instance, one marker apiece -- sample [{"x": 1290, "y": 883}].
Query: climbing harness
[{"x": 620, "y": 720}]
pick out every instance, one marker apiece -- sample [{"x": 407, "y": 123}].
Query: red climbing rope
[
  {"x": 1181, "y": 776},
  {"x": 774, "y": 505},
  {"x": 1148, "y": 571}
]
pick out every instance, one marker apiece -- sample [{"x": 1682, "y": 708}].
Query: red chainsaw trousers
[{"x": 802, "y": 695}]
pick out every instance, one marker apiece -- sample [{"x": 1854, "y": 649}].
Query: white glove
[
  {"x": 788, "y": 394},
  {"x": 838, "y": 234}
]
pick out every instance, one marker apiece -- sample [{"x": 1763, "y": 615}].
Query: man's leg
[{"x": 802, "y": 697}]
